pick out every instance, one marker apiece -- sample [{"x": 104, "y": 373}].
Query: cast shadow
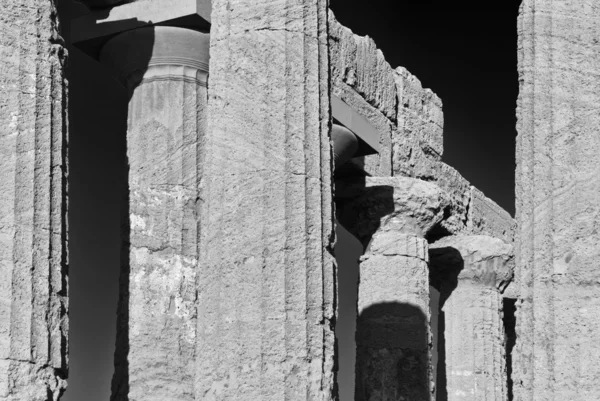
[
  {"x": 142, "y": 49},
  {"x": 392, "y": 353}
]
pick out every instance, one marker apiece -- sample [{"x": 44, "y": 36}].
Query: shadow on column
[
  {"x": 444, "y": 267},
  {"x": 392, "y": 342},
  {"x": 139, "y": 50}
]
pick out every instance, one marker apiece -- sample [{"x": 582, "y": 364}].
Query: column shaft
[
  {"x": 33, "y": 236},
  {"x": 393, "y": 339},
  {"x": 474, "y": 343},
  {"x": 392, "y": 330},
  {"x": 557, "y": 209},
  {"x": 469, "y": 271},
  {"x": 267, "y": 278},
  {"x": 157, "y": 313}
]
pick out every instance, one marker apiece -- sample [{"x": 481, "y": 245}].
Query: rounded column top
[
  {"x": 155, "y": 51},
  {"x": 479, "y": 258}
]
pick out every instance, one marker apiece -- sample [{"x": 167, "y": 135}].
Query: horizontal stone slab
[
  {"x": 90, "y": 31},
  {"x": 358, "y": 62}
]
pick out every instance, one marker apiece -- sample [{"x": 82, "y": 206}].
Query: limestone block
[
  {"x": 342, "y": 52},
  {"x": 357, "y": 62},
  {"x": 485, "y": 260},
  {"x": 156, "y": 336},
  {"x": 470, "y": 271},
  {"x": 379, "y": 164},
  {"x": 33, "y": 204},
  {"x": 409, "y": 159},
  {"x": 266, "y": 283},
  {"x": 419, "y": 112},
  {"x": 557, "y": 205},
  {"x": 459, "y": 192},
  {"x": 486, "y": 217},
  {"x": 401, "y": 204}
]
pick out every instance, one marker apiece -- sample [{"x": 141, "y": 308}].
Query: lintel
[
  {"x": 90, "y": 31},
  {"x": 356, "y": 123}
]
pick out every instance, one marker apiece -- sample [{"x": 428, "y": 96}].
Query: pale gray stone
[
  {"x": 392, "y": 216},
  {"x": 469, "y": 272},
  {"x": 357, "y": 62},
  {"x": 165, "y": 70},
  {"x": 266, "y": 281},
  {"x": 33, "y": 204},
  {"x": 557, "y": 355},
  {"x": 419, "y": 112},
  {"x": 487, "y": 218}
]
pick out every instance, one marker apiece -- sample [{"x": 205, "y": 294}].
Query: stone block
[
  {"x": 419, "y": 112},
  {"x": 486, "y": 217},
  {"x": 358, "y": 62}
]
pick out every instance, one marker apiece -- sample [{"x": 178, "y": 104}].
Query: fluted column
[
  {"x": 393, "y": 339},
  {"x": 469, "y": 271},
  {"x": 557, "y": 210},
  {"x": 33, "y": 203},
  {"x": 165, "y": 70},
  {"x": 266, "y": 289}
]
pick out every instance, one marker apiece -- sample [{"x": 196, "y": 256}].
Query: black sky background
[{"x": 465, "y": 52}]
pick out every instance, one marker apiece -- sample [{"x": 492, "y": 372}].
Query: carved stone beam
[
  {"x": 393, "y": 339},
  {"x": 470, "y": 271},
  {"x": 107, "y": 18}
]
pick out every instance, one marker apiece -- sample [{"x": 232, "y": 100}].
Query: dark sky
[{"x": 464, "y": 53}]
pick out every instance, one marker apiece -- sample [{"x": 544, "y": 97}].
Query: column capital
[
  {"x": 158, "y": 52},
  {"x": 389, "y": 204},
  {"x": 481, "y": 259}
]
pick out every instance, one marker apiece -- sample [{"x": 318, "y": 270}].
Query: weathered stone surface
[
  {"x": 399, "y": 204},
  {"x": 266, "y": 289},
  {"x": 557, "y": 188},
  {"x": 33, "y": 236},
  {"x": 156, "y": 338},
  {"x": 487, "y": 218},
  {"x": 379, "y": 164},
  {"x": 419, "y": 112},
  {"x": 459, "y": 192},
  {"x": 393, "y": 341},
  {"x": 356, "y": 61},
  {"x": 469, "y": 271},
  {"x": 470, "y": 211}
]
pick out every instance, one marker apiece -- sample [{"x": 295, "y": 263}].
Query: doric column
[
  {"x": 393, "y": 338},
  {"x": 266, "y": 293},
  {"x": 557, "y": 210},
  {"x": 469, "y": 271},
  {"x": 165, "y": 70},
  {"x": 33, "y": 203}
]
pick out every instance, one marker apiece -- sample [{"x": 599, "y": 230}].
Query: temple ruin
[{"x": 254, "y": 127}]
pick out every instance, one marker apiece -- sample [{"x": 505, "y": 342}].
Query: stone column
[
  {"x": 393, "y": 339},
  {"x": 165, "y": 70},
  {"x": 469, "y": 271},
  {"x": 266, "y": 294},
  {"x": 557, "y": 354},
  {"x": 33, "y": 203}
]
